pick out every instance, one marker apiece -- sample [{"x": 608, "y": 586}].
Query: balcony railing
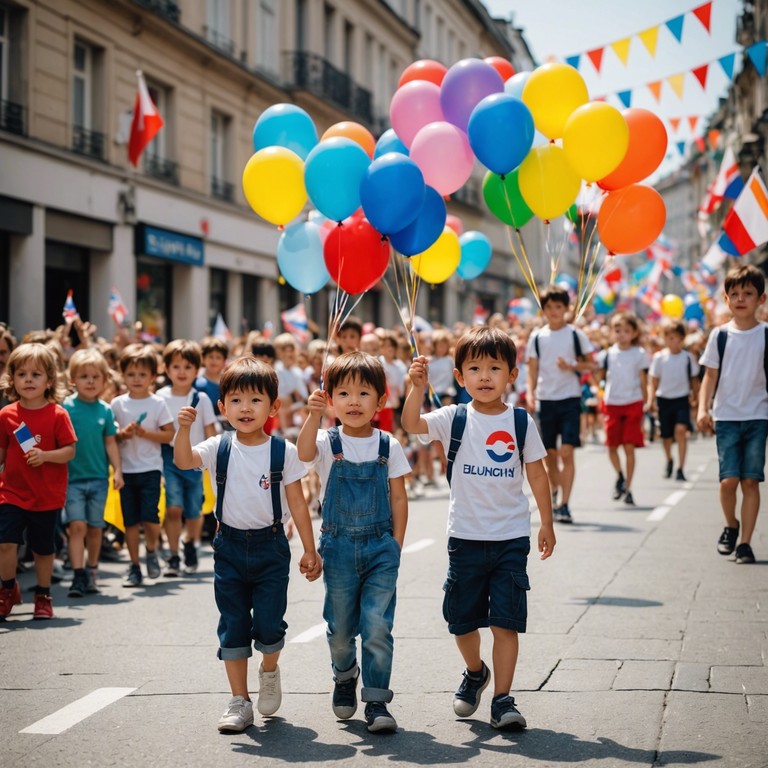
[
  {"x": 219, "y": 41},
  {"x": 160, "y": 168},
  {"x": 222, "y": 190},
  {"x": 88, "y": 143},
  {"x": 12, "y": 117},
  {"x": 313, "y": 73},
  {"x": 167, "y": 8}
]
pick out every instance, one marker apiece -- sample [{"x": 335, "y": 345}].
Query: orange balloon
[
  {"x": 426, "y": 69},
  {"x": 630, "y": 219},
  {"x": 646, "y": 150},
  {"x": 354, "y": 131},
  {"x": 502, "y": 66}
]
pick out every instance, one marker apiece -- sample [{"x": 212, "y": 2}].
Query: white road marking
[
  {"x": 660, "y": 512},
  {"x": 77, "y": 711},
  {"x": 417, "y": 546},
  {"x": 309, "y": 634}
]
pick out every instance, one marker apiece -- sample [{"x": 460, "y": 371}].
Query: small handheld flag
[
  {"x": 116, "y": 308},
  {"x": 25, "y": 437},
  {"x": 295, "y": 322},
  {"x": 70, "y": 310},
  {"x": 141, "y": 418}
]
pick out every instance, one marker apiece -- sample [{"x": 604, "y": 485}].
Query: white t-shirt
[
  {"x": 357, "y": 450},
  {"x": 487, "y": 501},
  {"x": 623, "y": 385},
  {"x": 441, "y": 375},
  {"x": 247, "y": 497},
  {"x": 395, "y": 373},
  {"x": 554, "y": 383},
  {"x": 672, "y": 373},
  {"x": 139, "y": 454},
  {"x": 741, "y": 395},
  {"x": 290, "y": 380},
  {"x": 205, "y": 414}
]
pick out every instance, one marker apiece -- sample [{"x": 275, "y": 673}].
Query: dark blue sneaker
[
  {"x": 562, "y": 514},
  {"x": 378, "y": 718},
  {"x": 466, "y": 700},
  {"x": 344, "y": 698},
  {"x": 504, "y": 713}
]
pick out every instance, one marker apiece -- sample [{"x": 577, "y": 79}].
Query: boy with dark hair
[
  {"x": 557, "y": 355},
  {"x": 489, "y": 520},
  {"x": 736, "y": 376},
  {"x": 262, "y": 479},
  {"x": 349, "y": 335},
  {"x": 214, "y": 352},
  {"x": 365, "y": 512}
]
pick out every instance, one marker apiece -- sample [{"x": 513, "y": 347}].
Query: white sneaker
[
  {"x": 238, "y": 717},
  {"x": 270, "y": 692}
]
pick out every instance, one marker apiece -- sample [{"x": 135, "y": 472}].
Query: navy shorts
[
  {"x": 487, "y": 585},
  {"x": 741, "y": 448},
  {"x": 139, "y": 498},
  {"x": 673, "y": 411},
  {"x": 40, "y": 528},
  {"x": 560, "y": 417}
]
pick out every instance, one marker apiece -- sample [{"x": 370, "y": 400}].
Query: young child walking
[
  {"x": 89, "y": 470},
  {"x": 144, "y": 424},
  {"x": 673, "y": 381},
  {"x": 258, "y": 487},
  {"x": 214, "y": 353},
  {"x": 37, "y": 440},
  {"x": 489, "y": 519},
  {"x": 184, "y": 489},
  {"x": 736, "y": 376},
  {"x": 365, "y": 512},
  {"x": 624, "y": 367}
]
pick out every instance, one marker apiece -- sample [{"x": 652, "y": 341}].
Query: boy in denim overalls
[{"x": 364, "y": 511}]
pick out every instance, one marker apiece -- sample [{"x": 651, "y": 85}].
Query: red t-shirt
[{"x": 42, "y": 488}]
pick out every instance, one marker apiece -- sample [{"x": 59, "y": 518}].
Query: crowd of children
[{"x": 289, "y": 430}]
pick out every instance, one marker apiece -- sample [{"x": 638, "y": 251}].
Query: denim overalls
[{"x": 360, "y": 563}]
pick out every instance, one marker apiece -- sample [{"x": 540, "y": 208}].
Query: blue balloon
[
  {"x": 300, "y": 257},
  {"x": 332, "y": 175},
  {"x": 476, "y": 252},
  {"x": 389, "y": 141},
  {"x": 392, "y": 192},
  {"x": 693, "y": 309},
  {"x": 514, "y": 86},
  {"x": 425, "y": 228},
  {"x": 501, "y": 132},
  {"x": 285, "y": 125}
]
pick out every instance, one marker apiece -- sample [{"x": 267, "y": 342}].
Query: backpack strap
[
  {"x": 536, "y": 344},
  {"x": 276, "y": 465},
  {"x": 722, "y": 339},
  {"x": 521, "y": 430},
  {"x": 457, "y": 430},
  {"x": 335, "y": 438},
  {"x": 689, "y": 367},
  {"x": 383, "y": 447},
  {"x": 577, "y": 349},
  {"x": 765, "y": 358},
  {"x": 222, "y": 462},
  {"x": 195, "y": 398}
]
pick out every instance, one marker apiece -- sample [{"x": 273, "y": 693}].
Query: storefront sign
[{"x": 151, "y": 241}]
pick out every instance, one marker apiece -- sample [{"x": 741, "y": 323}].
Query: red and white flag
[
  {"x": 146, "y": 121},
  {"x": 116, "y": 307},
  {"x": 747, "y": 222}
]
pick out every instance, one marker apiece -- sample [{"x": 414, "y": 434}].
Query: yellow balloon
[
  {"x": 552, "y": 92},
  {"x": 439, "y": 261},
  {"x": 672, "y": 306},
  {"x": 595, "y": 140},
  {"x": 548, "y": 184},
  {"x": 273, "y": 182}
]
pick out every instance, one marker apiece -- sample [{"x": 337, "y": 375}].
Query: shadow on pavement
[
  {"x": 618, "y": 602},
  {"x": 276, "y": 738}
]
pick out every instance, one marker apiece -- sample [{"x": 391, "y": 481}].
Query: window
[
  {"x": 301, "y": 25},
  {"x": 250, "y": 297},
  {"x": 82, "y": 78},
  {"x": 218, "y": 27},
  {"x": 154, "y": 291},
  {"x": 329, "y": 19},
  {"x": 13, "y": 74},
  {"x": 87, "y": 136},
  {"x": 349, "y": 47},
  {"x": 266, "y": 46},
  {"x": 157, "y": 155},
  {"x": 221, "y": 187},
  {"x": 218, "y": 295},
  {"x": 4, "y": 52}
]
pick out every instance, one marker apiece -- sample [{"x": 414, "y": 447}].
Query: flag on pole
[
  {"x": 116, "y": 308},
  {"x": 295, "y": 322},
  {"x": 746, "y": 224},
  {"x": 70, "y": 310},
  {"x": 220, "y": 329},
  {"x": 146, "y": 121},
  {"x": 728, "y": 182}
]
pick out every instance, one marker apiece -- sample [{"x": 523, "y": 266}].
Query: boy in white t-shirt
[
  {"x": 251, "y": 551},
  {"x": 736, "y": 363},
  {"x": 291, "y": 387},
  {"x": 488, "y": 516}
]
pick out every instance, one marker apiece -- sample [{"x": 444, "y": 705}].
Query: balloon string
[
  {"x": 595, "y": 283},
  {"x": 585, "y": 249},
  {"x": 523, "y": 263}
]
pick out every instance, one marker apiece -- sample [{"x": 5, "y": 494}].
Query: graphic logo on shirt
[
  {"x": 264, "y": 482},
  {"x": 500, "y": 446}
]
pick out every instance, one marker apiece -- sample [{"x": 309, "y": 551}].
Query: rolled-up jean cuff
[
  {"x": 233, "y": 654},
  {"x": 348, "y": 674},
  {"x": 273, "y": 648},
  {"x": 376, "y": 694}
]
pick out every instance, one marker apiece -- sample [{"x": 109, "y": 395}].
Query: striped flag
[
  {"x": 746, "y": 224},
  {"x": 70, "y": 310},
  {"x": 116, "y": 308},
  {"x": 295, "y": 322},
  {"x": 220, "y": 329},
  {"x": 146, "y": 121},
  {"x": 728, "y": 182}
]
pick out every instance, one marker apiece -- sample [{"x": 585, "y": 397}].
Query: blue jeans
[
  {"x": 741, "y": 448},
  {"x": 250, "y": 584},
  {"x": 183, "y": 487}
]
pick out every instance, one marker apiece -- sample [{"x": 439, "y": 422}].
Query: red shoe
[
  {"x": 9, "y": 598},
  {"x": 43, "y": 607}
]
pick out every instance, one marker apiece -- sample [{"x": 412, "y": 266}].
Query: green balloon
[
  {"x": 573, "y": 214},
  {"x": 503, "y": 198}
]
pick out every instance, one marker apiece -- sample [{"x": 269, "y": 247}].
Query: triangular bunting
[
  {"x": 757, "y": 54},
  {"x": 677, "y": 83},
  {"x": 703, "y": 13},
  {"x": 596, "y": 57},
  {"x": 700, "y": 73},
  {"x": 655, "y": 89},
  {"x": 681, "y": 147},
  {"x": 621, "y": 49},
  {"x": 727, "y": 63},
  {"x": 674, "y": 122},
  {"x": 626, "y": 98},
  {"x": 713, "y": 137},
  {"x": 649, "y": 38},
  {"x": 573, "y": 61},
  {"x": 675, "y": 26},
  {"x": 693, "y": 121},
  {"x": 701, "y": 144}
]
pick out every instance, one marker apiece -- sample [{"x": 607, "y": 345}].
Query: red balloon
[
  {"x": 454, "y": 222},
  {"x": 646, "y": 150},
  {"x": 502, "y": 66},
  {"x": 630, "y": 219},
  {"x": 426, "y": 69},
  {"x": 356, "y": 255}
]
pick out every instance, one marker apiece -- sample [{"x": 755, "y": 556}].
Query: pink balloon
[
  {"x": 454, "y": 222},
  {"x": 413, "y": 106},
  {"x": 443, "y": 153}
]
